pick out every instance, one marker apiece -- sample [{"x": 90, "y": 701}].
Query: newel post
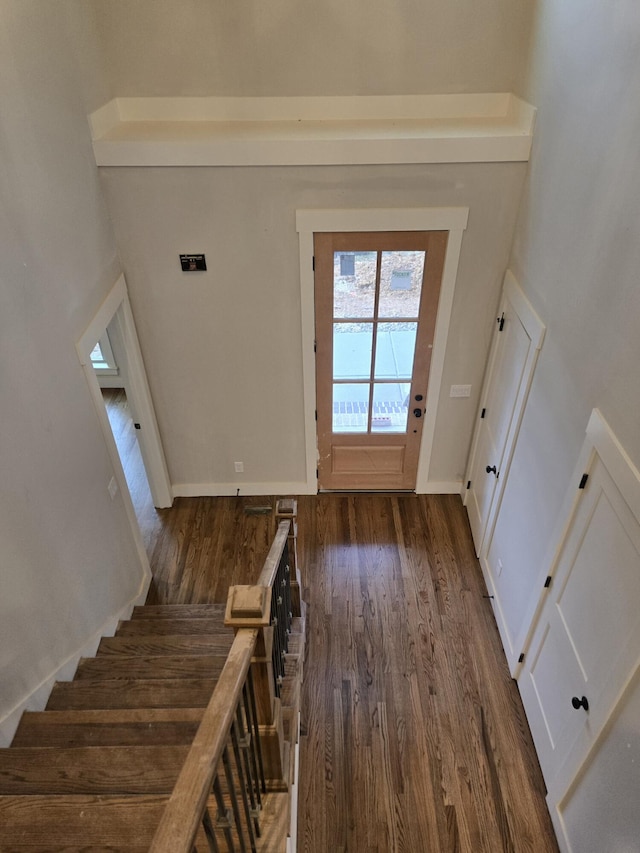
[{"x": 250, "y": 607}]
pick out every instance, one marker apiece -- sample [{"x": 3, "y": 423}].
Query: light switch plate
[{"x": 460, "y": 391}]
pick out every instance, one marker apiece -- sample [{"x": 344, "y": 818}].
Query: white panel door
[
  {"x": 588, "y": 635},
  {"x": 598, "y": 810},
  {"x": 518, "y": 337}
]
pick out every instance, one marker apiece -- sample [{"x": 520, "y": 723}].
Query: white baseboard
[
  {"x": 441, "y": 487},
  {"x": 197, "y": 490},
  {"x": 38, "y": 698}
]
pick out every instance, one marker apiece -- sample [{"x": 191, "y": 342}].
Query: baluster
[
  {"x": 244, "y": 742},
  {"x": 210, "y": 832},
  {"x": 243, "y": 786},
  {"x": 224, "y": 818},
  {"x": 277, "y": 641},
  {"x": 234, "y": 800},
  {"x": 256, "y": 741}
]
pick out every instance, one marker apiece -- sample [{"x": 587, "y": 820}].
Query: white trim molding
[
  {"x": 457, "y": 128},
  {"x": 198, "y": 490},
  {"x": 309, "y": 222}
]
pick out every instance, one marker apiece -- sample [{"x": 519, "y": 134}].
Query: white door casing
[
  {"x": 586, "y": 640},
  {"x": 518, "y": 336}
]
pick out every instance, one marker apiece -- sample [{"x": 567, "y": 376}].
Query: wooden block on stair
[
  {"x": 165, "y": 666},
  {"x": 169, "y": 644},
  {"x": 91, "y": 770},
  {"x": 115, "y": 727},
  {"x": 136, "y": 693},
  {"x": 158, "y": 625},
  {"x": 49, "y": 824}
]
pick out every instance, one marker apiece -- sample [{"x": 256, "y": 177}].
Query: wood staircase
[{"x": 96, "y": 769}]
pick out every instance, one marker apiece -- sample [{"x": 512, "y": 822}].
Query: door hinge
[
  {"x": 317, "y": 473},
  {"x": 316, "y": 414},
  {"x": 468, "y": 484},
  {"x": 315, "y": 346},
  {"x": 547, "y": 583},
  {"x": 583, "y": 481},
  {"x": 313, "y": 263},
  {"x": 500, "y": 321},
  {"x": 483, "y": 413},
  {"x": 521, "y": 658}
]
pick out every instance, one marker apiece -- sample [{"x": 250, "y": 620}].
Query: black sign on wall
[{"x": 193, "y": 263}]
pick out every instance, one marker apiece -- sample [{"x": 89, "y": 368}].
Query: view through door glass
[
  {"x": 373, "y": 373},
  {"x": 374, "y": 338}
]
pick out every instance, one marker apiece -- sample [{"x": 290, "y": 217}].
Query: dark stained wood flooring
[{"x": 414, "y": 739}]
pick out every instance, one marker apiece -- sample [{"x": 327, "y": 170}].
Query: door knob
[
  {"x": 491, "y": 469},
  {"x": 580, "y": 703},
  {"x": 417, "y": 413}
]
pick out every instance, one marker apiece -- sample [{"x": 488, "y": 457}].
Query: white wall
[
  {"x": 313, "y": 47},
  {"x": 68, "y": 561},
  {"x": 223, "y": 348},
  {"x": 577, "y": 256}
]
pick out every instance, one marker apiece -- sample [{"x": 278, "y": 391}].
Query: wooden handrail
[
  {"x": 182, "y": 816},
  {"x": 268, "y": 573}
]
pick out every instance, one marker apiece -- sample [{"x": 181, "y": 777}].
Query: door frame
[
  {"x": 116, "y": 305},
  {"x": 308, "y": 222}
]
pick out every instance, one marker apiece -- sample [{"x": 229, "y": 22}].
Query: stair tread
[
  {"x": 171, "y": 611},
  {"x": 119, "y": 726},
  {"x": 131, "y": 693},
  {"x": 91, "y": 770},
  {"x": 159, "y": 625},
  {"x": 79, "y": 822},
  {"x": 151, "y": 667},
  {"x": 191, "y": 644}
]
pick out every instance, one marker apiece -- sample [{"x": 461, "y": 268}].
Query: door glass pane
[
  {"x": 354, "y": 284},
  {"x": 400, "y": 284},
  {"x": 352, "y": 344},
  {"x": 390, "y": 407},
  {"x": 395, "y": 347},
  {"x": 350, "y": 407}
]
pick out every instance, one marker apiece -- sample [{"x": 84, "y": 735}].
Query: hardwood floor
[
  {"x": 414, "y": 734},
  {"x": 414, "y": 739}
]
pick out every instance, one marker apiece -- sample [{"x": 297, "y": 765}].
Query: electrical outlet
[
  {"x": 460, "y": 391},
  {"x": 239, "y": 466}
]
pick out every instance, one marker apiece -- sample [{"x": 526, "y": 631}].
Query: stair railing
[
  {"x": 238, "y": 748},
  {"x": 226, "y": 745}
]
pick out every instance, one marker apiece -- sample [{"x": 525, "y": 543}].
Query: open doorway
[
  {"x": 110, "y": 347},
  {"x": 109, "y": 361}
]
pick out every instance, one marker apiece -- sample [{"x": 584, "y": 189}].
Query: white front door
[{"x": 588, "y": 635}]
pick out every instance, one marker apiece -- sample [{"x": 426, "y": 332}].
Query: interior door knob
[
  {"x": 491, "y": 469},
  {"x": 580, "y": 703},
  {"x": 417, "y": 413}
]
